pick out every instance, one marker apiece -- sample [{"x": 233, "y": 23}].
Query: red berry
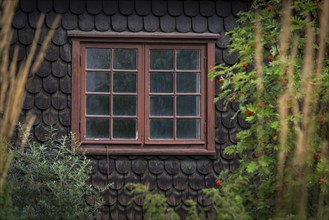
[
  {"x": 250, "y": 113},
  {"x": 316, "y": 156},
  {"x": 319, "y": 118},
  {"x": 260, "y": 104},
  {"x": 269, "y": 8},
  {"x": 210, "y": 67},
  {"x": 322, "y": 180},
  {"x": 220, "y": 80},
  {"x": 245, "y": 65},
  {"x": 270, "y": 59},
  {"x": 219, "y": 183}
]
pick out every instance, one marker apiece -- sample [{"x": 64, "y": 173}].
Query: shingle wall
[{"x": 49, "y": 92}]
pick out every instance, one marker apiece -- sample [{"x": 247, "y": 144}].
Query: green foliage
[
  {"x": 51, "y": 181},
  {"x": 7, "y": 210},
  {"x": 155, "y": 205},
  {"x": 255, "y": 181}
]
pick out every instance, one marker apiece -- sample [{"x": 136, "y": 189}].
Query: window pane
[
  {"x": 161, "y": 129},
  {"x": 161, "y": 105},
  {"x": 98, "y": 58},
  {"x": 188, "y": 128},
  {"x": 161, "y": 59},
  {"x": 161, "y": 82},
  {"x": 98, "y": 82},
  {"x": 188, "y": 82},
  {"x": 97, "y": 128},
  {"x": 188, "y": 105},
  {"x": 124, "y": 128},
  {"x": 98, "y": 105},
  {"x": 124, "y": 105},
  {"x": 124, "y": 82},
  {"x": 125, "y": 59},
  {"x": 188, "y": 59}
]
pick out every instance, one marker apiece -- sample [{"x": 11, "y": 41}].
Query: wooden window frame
[{"x": 142, "y": 146}]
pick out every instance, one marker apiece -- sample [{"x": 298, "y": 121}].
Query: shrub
[{"x": 51, "y": 181}]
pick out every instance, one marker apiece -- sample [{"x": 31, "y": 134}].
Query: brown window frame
[{"x": 144, "y": 41}]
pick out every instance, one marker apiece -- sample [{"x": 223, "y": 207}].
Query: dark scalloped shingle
[
  {"x": 42, "y": 100},
  {"x": 34, "y": 85},
  {"x": 102, "y": 22},
  {"x": 230, "y": 22},
  {"x": 221, "y": 135},
  {"x": 143, "y": 7},
  {"x": 238, "y": 6},
  {"x": 86, "y": 22},
  {"x": 29, "y": 101},
  {"x": 61, "y": 6},
  {"x": 167, "y": 24},
  {"x": 126, "y": 7},
  {"x": 44, "y": 5},
  {"x": 199, "y": 24},
  {"x": 117, "y": 180},
  {"x": 52, "y": 53},
  {"x": 65, "y": 84},
  {"x": 77, "y": 6},
  {"x": 156, "y": 166},
  {"x": 139, "y": 165},
  {"x": 228, "y": 119},
  {"x": 50, "y": 116},
  {"x": 50, "y": 17},
  {"x": 174, "y": 197},
  {"x": 110, "y": 7},
  {"x": 117, "y": 212},
  {"x": 135, "y": 23},
  {"x": 106, "y": 165},
  {"x": 33, "y": 18},
  {"x": 183, "y": 24},
  {"x": 110, "y": 197},
  {"x": 188, "y": 166},
  {"x": 151, "y": 23},
  {"x": 159, "y": 7},
  {"x": 207, "y": 8},
  {"x": 28, "y": 6},
  {"x": 215, "y": 24},
  {"x": 119, "y": 22},
  {"x": 203, "y": 165},
  {"x": 210, "y": 179},
  {"x": 196, "y": 181},
  {"x": 69, "y": 21},
  {"x": 230, "y": 58},
  {"x": 242, "y": 122},
  {"x": 223, "y": 8},
  {"x": 180, "y": 181},
  {"x": 59, "y": 100},
  {"x": 175, "y": 8},
  {"x": 94, "y": 7},
  {"x": 64, "y": 117},
  {"x": 224, "y": 155},
  {"x": 50, "y": 84},
  {"x": 45, "y": 69},
  {"x": 19, "y": 20},
  {"x": 172, "y": 166},
  {"x": 59, "y": 37},
  {"x": 223, "y": 40},
  {"x": 123, "y": 197},
  {"x": 123, "y": 165},
  {"x": 191, "y": 8},
  {"x": 65, "y": 52},
  {"x": 134, "y": 212},
  {"x": 25, "y": 35},
  {"x": 164, "y": 181},
  {"x": 41, "y": 132},
  {"x": 149, "y": 179}
]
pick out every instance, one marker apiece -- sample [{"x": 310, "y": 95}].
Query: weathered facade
[{"x": 49, "y": 92}]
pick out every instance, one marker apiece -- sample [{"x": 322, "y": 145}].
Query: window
[{"x": 143, "y": 93}]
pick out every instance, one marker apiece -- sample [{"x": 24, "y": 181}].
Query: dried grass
[{"x": 13, "y": 81}]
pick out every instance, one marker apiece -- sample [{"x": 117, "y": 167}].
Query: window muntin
[{"x": 110, "y": 94}]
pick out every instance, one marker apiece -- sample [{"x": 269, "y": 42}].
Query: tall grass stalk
[{"x": 13, "y": 79}]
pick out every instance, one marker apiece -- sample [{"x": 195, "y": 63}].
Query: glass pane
[
  {"x": 188, "y": 82},
  {"x": 98, "y": 82},
  {"x": 124, "y": 128},
  {"x": 97, "y": 128},
  {"x": 161, "y": 129},
  {"x": 161, "y": 105},
  {"x": 98, "y": 105},
  {"x": 124, "y": 105},
  {"x": 124, "y": 82},
  {"x": 161, "y": 82},
  {"x": 188, "y": 105},
  {"x": 125, "y": 59},
  {"x": 98, "y": 58},
  {"x": 188, "y": 59},
  {"x": 188, "y": 128},
  {"x": 161, "y": 59}
]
